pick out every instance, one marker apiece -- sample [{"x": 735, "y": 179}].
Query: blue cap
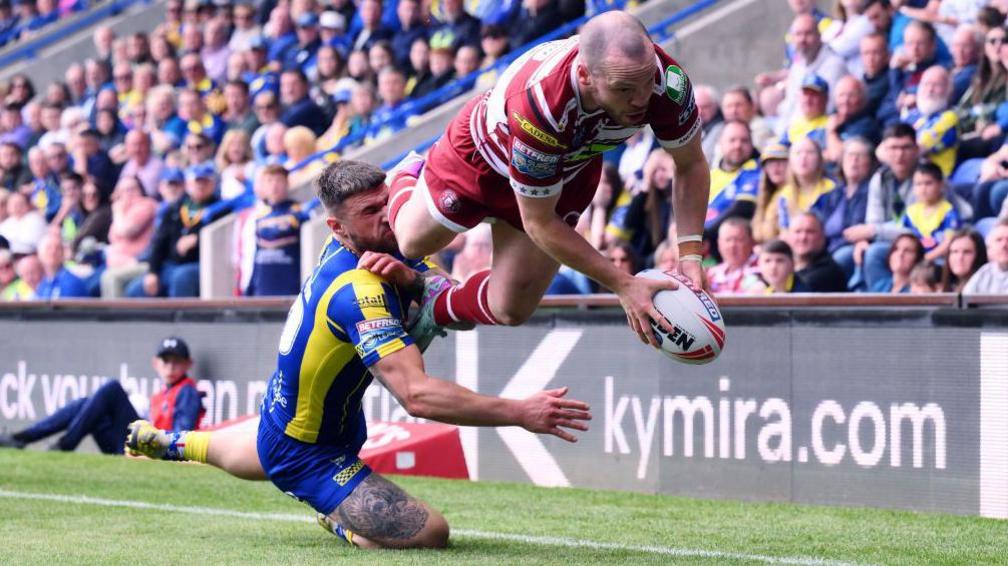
[
  {"x": 203, "y": 170},
  {"x": 307, "y": 19},
  {"x": 813, "y": 81},
  {"x": 258, "y": 42},
  {"x": 172, "y": 175},
  {"x": 341, "y": 96}
]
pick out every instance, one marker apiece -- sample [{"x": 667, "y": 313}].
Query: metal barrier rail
[
  {"x": 797, "y": 300},
  {"x": 30, "y": 48}
]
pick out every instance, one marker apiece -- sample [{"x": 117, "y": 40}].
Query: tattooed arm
[{"x": 546, "y": 412}]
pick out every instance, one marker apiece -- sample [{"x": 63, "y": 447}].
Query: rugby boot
[{"x": 422, "y": 327}]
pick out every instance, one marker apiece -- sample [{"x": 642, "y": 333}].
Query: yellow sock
[{"x": 197, "y": 444}]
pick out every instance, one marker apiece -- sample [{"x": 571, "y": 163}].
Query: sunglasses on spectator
[
  {"x": 995, "y": 40},
  {"x": 195, "y": 146},
  {"x": 123, "y": 77},
  {"x": 264, "y": 106}
]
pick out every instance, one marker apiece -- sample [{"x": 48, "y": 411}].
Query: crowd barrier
[{"x": 897, "y": 402}]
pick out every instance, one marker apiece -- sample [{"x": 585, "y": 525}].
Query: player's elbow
[{"x": 418, "y": 404}]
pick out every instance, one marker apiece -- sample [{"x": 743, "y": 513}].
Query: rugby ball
[{"x": 699, "y": 334}]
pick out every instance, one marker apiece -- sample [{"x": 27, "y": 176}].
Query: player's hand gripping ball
[{"x": 699, "y": 331}]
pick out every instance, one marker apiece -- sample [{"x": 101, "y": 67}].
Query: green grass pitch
[{"x": 120, "y": 511}]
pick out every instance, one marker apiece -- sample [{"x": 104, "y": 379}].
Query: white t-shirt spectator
[
  {"x": 149, "y": 174},
  {"x": 23, "y": 233},
  {"x": 990, "y": 279},
  {"x": 827, "y": 65}
]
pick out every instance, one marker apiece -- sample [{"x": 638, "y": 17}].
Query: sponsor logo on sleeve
[
  {"x": 370, "y": 301},
  {"x": 372, "y": 339},
  {"x": 533, "y": 162},
  {"x": 366, "y": 326},
  {"x": 531, "y": 129},
  {"x": 675, "y": 83}
]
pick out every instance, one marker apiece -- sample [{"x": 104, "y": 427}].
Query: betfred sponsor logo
[{"x": 366, "y": 326}]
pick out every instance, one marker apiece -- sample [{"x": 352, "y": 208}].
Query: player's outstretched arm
[
  {"x": 546, "y": 412},
  {"x": 562, "y": 243},
  {"x": 690, "y": 204}
]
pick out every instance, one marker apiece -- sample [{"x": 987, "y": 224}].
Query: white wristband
[
  {"x": 692, "y": 238},
  {"x": 692, "y": 257}
]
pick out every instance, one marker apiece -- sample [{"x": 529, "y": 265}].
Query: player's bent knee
[
  {"x": 435, "y": 532},
  {"x": 512, "y": 316}
]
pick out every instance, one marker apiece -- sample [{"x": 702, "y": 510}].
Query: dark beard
[{"x": 388, "y": 246}]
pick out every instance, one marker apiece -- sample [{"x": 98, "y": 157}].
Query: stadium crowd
[{"x": 872, "y": 160}]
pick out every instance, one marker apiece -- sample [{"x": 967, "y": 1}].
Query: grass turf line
[{"x": 45, "y": 531}]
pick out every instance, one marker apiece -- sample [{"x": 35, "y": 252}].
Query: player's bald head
[{"x": 614, "y": 35}]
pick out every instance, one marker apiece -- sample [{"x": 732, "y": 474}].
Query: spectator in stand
[
  {"x": 624, "y": 257},
  {"x": 372, "y": 28},
  {"x": 174, "y": 259},
  {"x": 330, "y": 74},
  {"x": 806, "y": 182},
  {"x": 776, "y": 271},
  {"x": 267, "y": 111},
  {"x": 107, "y": 412},
  {"x": 352, "y": 118},
  {"x": 735, "y": 247},
  {"x": 442, "y": 70},
  {"x": 276, "y": 152},
  {"x": 810, "y": 120},
  {"x": 57, "y": 159},
  {"x": 734, "y": 179},
  {"x": 643, "y": 223},
  {"x": 43, "y": 189},
  {"x": 966, "y": 253},
  {"x": 874, "y": 71},
  {"x": 98, "y": 215},
  {"x": 936, "y": 125},
  {"x": 411, "y": 28},
  {"x": 24, "y": 226},
  {"x": 535, "y": 19},
  {"x": 196, "y": 118},
  {"x": 851, "y": 119},
  {"x": 889, "y": 191},
  {"x": 12, "y": 126},
  {"x": 965, "y": 48},
  {"x": 813, "y": 263},
  {"x": 495, "y": 44},
  {"x": 848, "y": 26},
  {"x": 299, "y": 145},
  {"x": 992, "y": 278},
  {"x": 811, "y": 57},
  {"x": 21, "y": 91},
  {"x": 919, "y": 54},
  {"x": 666, "y": 256},
  {"x": 133, "y": 216},
  {"x": 773, "y": 176},
  {"x": 277, "y": 226},
  {"x": 196, "y": 149},
  {"x": 706, "y": 99},
  {"x": 215, "y": 51},
  {"x": 904, "y": 253},
  {"x": 298, "y": 108},
  {"x": 31, "y": 115},
  {"x": 467, "y": 60},
  {"x": 977, "y": 109},
  {"x": 380, "y": 56},
  {"x": 142, "y": 163},
  {"x": 58, "y": 282},
  {"x": 846, "y": 205},
  {"x": 29, "y": 272},
  {"x": 303, "y": 54},
  {"x": 235, "y": 163},
  {"x": 239, "y": 115},
  {"x": 989, "y": 194},
  {"x": 925, "y": 278},
  {"x": 9, "y": 282},
  {"x": 13, "y": 173},
  {"x": 165, "y": 127},
  {"x": 246, "y": 27},
  {"x": 737, "y": 104},
  {"x": 71, "y": 214},
  {"x": 931, "y": 217},
  {"x": 333, "y": 31},
  {"x": 419, "y": 64}
]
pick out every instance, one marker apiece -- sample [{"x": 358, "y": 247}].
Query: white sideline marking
[{"x": 464, "y": 533}]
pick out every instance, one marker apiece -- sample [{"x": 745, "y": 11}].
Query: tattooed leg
[{"x": 382, "y": 515}]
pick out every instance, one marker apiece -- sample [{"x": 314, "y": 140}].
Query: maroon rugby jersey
[{"x": 532, "y": 128}]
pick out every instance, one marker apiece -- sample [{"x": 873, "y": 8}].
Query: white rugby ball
[{"x": 699, "y": 334}]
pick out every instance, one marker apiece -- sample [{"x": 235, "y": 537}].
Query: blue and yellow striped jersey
[
  {"x": 938, "y": 137},
  {"x": 344, "y": 320},
  {"x": 729, "y": 186},
  {"x": 932, "y": 225}
]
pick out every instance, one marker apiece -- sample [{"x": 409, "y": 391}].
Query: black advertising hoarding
[{"x": 903, "y": 409}]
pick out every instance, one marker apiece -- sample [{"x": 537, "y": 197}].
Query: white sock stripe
[
  {"x": 479, "y": 302},
  {"x": 407, "y": 192},
  {"x": 448, "y": 300},
  {"x": 464, "y": 533}
]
